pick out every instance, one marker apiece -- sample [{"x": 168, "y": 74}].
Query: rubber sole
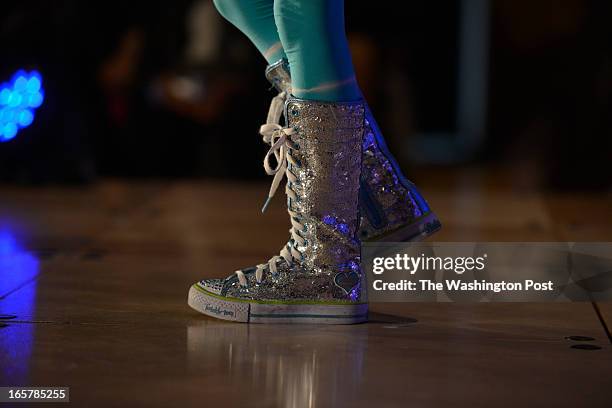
[{"x": 245, "y": 311}]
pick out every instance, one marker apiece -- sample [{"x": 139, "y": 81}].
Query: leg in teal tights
[
  {"x": 255, "y": 18},
  {"x": 314, "y": 40}
]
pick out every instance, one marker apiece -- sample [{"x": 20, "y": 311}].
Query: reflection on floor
[{"x": 93, "y": 285}]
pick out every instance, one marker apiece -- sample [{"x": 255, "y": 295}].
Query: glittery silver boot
[
  {"x": 392, "y": 208},
  {"x": 316, "y": 278}
]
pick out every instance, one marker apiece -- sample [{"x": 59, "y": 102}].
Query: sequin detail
[
  {"x": 328, "y": 148},
  {"x": 396, "y": 203}
]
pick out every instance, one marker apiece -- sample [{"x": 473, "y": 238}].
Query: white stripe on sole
[{"x": 252, "y": 312}]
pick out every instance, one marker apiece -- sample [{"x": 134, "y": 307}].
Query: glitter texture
[
  {"x": 397, "y": 201},
  {"x": 329, "y": 139},
  {"x": 327, "y": 147}
]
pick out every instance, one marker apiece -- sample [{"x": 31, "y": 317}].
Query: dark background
[{"x": 170, "y": 89}]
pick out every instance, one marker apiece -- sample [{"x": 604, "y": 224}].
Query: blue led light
[
  {"x": 18, "y": 100},
  {"x": 9, "y": 131},
  {"x": 20, "y": 83},
  {"x": 15, "y": 99},
  {"x": 33, "y": 84},
  {"x": 35, "y": 100},
  {"x": 25, "y": 118},
  {"x": 5, "y": 94}
]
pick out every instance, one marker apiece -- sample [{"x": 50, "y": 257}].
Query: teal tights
[{"x": 309, "y": 33}]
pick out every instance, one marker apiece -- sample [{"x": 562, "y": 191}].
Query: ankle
[{"x": 338, "y": 91}]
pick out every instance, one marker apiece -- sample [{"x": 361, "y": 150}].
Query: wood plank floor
[{"x": 97, "y": 279}]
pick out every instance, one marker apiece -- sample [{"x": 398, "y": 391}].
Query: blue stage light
[
  {"x": 15, "y": 99},
  {"x": 5, "y": 94},
  {"x": 8, "y": 115},
  {"x": 10, "y": 131},
  {"x": 18, "y": 99},
  {"x": 33, "y": 84},
  {"x": 25, "y": 118},
  {"x": 20, "y": 83},
  {"x": 35, "y": 99}
]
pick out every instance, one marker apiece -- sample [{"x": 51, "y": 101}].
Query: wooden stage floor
[{"x": 97, "y": 280}]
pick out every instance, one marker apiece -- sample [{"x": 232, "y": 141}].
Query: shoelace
[
  {"x": 275, "y": 113},
  {"x": 281, "y": 146}
]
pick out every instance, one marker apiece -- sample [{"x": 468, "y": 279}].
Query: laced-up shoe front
[
  {"x": 392, "y": 208},
  {"x": 316, "y": 277}
]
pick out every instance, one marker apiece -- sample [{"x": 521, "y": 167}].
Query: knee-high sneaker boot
[
  {"x": 392, "y": 208},
  {"x": 317, "y": 276}
]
